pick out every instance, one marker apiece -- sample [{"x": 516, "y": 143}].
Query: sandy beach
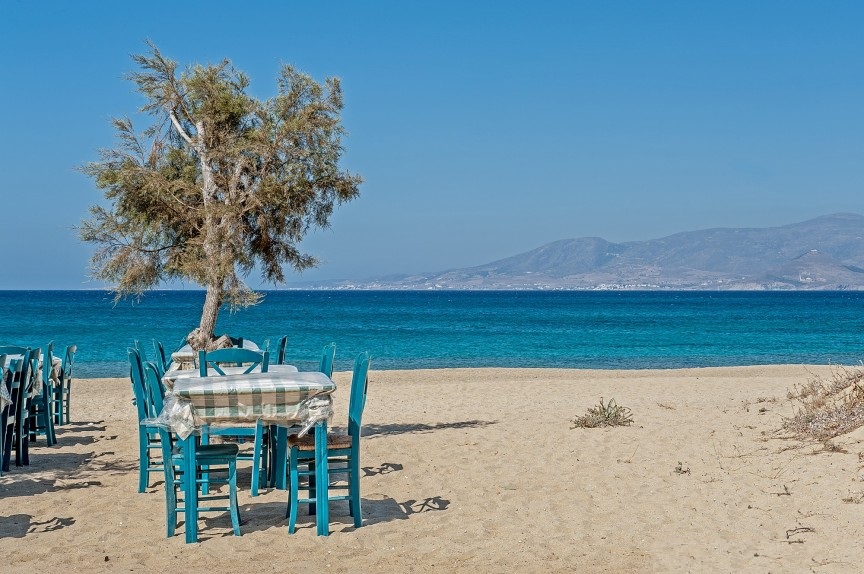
[{"x": 479, "y": 470}]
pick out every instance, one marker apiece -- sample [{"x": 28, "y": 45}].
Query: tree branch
[{"x": 179, "y": 128}]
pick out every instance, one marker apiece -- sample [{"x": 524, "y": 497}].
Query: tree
[{"x": 219, "y": 182}]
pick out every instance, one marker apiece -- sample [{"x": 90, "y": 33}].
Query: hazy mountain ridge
[{"x": 824, "y": 253}]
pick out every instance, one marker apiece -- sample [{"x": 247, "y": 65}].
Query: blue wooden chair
[
  {"x": 149, "y": 443},
  {"x": 63, "y": 391},
  {"x": 24, "y": 371},
  {"x": 41, "y": 404},
  {"x": 343, "y": 451},
  {"x": 213, "y": 461},
  {"x": 210, "y": 364}
]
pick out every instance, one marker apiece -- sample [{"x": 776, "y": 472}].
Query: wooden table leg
[
  {"x": 190, "y": 490},
  {"x": 280, "y": 458},
  {"x": 322, "y": 481}
]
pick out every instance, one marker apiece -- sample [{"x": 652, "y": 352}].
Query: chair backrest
[
  {"x": 156, "y": 392},
  {"x": 153, "y": 387},
  {"x": 327, "y": 355},
  {"x": 357, "y": 402},
  {"x": 68, "y": 359},
  {"x": 236, "y": 341},
  {"x": 136, "y": 374},
  {"x": 161, "y": 362},
  {"x": 235, "y": 355},
  {"x": 280, "y": 350},
  {"x": 26, "y": 380},
  {"x": 139, "y": 346},
  {"x": 29, "y": 369},
  {"x": 48, "y": 365}
]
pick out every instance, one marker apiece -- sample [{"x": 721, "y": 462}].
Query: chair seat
[
  {"x": 307, "y": 443},
  {"x": 204, "y": 451}
]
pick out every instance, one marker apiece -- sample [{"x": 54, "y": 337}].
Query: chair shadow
[
  {"x": 383, "y": 468},
  {"x": 378, "y": 430},
  {"x": 81, "y": 426},
  {"x": 20, "y": 525}
]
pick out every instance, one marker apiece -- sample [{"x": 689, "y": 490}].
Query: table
[{"x": 280, "y": 397}]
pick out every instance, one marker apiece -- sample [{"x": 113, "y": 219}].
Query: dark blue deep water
[{"x": 433, "y": 329}]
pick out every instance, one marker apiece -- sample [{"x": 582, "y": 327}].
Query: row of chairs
[
  {"x": 217, "y": 463},
  {"x": 30, "y": 414}
]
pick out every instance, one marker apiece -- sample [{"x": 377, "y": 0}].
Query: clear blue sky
[{"x": 482, "y": 129}]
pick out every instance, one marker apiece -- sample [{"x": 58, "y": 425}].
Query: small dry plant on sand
[
  {"x": 608, "y": 415},
  {"x": 828, "y": 408}
]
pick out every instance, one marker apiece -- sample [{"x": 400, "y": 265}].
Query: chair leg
[
  {"x": 170, "y": 506},
  {"x": 22, "y": 440},
  {"x": 256, "y": 456},
  {"x": 144, "y": 459},
  {"x": 232, "y": 496},
  {"x": 354, "y": 490},
  {"x": 293, "y": 491}
]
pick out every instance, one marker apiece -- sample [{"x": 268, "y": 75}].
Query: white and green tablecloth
[{"x": 277, "y": 397}]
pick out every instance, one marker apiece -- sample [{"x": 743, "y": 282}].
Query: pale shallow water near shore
[{"x": 479, "y": 470}]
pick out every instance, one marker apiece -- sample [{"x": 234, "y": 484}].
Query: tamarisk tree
[{"x": 218, "y": 184}]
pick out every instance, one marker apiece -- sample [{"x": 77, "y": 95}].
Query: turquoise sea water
[{"x": 435, "y": 329}]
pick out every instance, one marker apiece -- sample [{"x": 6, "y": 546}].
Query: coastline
[{"x": 479, "y": 469}]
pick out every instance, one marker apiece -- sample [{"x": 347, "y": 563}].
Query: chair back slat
[
  {"x": 208, "y": 360},
  {"x": 357, "y": 401},
  {"x": 327, "y": 356},
  {"x": 280, "y": 350},
  {"x": 136, "y": 374}
]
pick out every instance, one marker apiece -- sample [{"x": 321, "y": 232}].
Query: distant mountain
[{"x": 825, "y": 253}]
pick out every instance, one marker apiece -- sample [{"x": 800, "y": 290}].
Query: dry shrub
[
  {"x": 828, "y": 408},
  {"x": 608, "y": 415}
]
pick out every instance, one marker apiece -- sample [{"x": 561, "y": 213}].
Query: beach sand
[{"x": 479, "y": 470}]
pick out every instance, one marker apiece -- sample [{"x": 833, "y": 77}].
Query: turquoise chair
[
  {"x": 41, "y": 405},
  {"x": 63, "y": 391},
  {"x": 149, "y": 443},
  {"x": 216, "y": 464},
  {"x": 343, "y": 453},
  {"x": 25, "y": 372},
  {"x": 210, "y": 364}
]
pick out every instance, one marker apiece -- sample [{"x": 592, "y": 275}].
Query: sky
[{"x": 481, "y": 129}]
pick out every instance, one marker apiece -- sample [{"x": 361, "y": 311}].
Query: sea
[{"x": 443, "y": 329}]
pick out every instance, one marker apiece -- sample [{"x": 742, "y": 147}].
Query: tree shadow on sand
[
  {"x": 378, "y": 430},
  {"x": 20, "y": 525}
]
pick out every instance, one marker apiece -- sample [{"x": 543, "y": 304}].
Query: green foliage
[
  {"x": 219, "y": 183},
  {"x": 604, "y": 415}
]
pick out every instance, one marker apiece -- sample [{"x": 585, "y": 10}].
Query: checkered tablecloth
[
  {"x": 274, "y": 397},
  {"x": 172, "y": 376}
]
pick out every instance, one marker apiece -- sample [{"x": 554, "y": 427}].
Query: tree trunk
[{"x": 200, "y": 337}]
